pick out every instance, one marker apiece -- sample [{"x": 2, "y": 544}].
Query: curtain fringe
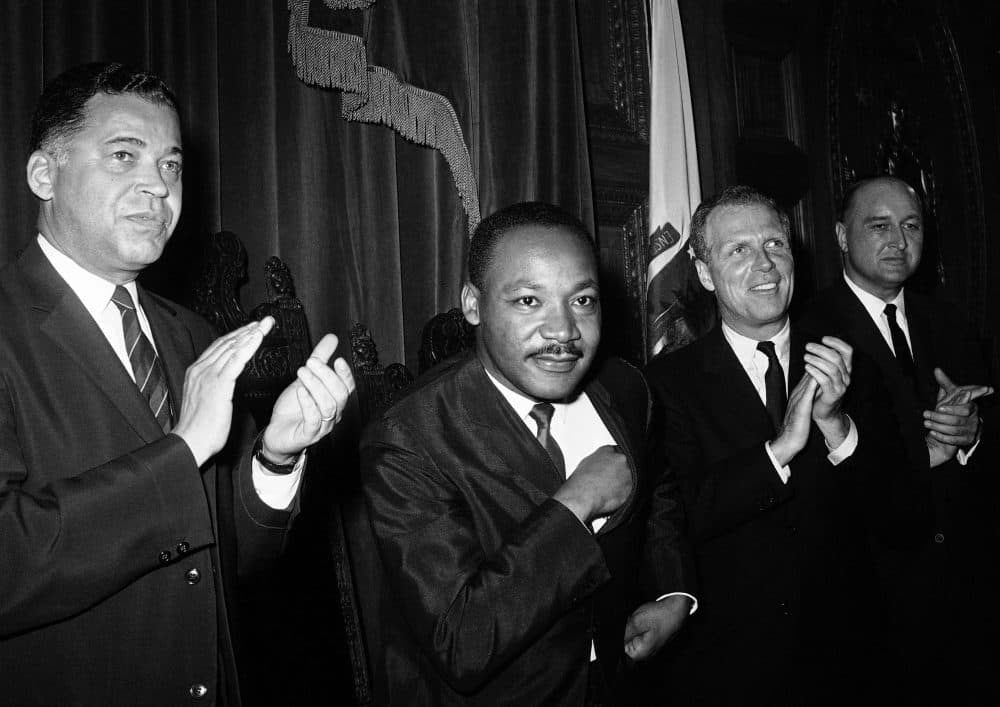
[{"x": 373, "y": 94}]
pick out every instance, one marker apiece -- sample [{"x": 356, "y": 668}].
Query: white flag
[{"x": 674, "y": 191}]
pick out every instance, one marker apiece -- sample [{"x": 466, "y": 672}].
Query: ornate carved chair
[
  {"x": 378, "y": 386},
  {"x": 284, "y": 349},
  {"x": 444, "y": 335}
]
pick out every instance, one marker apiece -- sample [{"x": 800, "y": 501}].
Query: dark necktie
[
  {"x": 542, "y": 415},
  {"x": 899, "y": 345},
  {"x": 774, "y": 385},
  {"x": 146, "y": 366}
]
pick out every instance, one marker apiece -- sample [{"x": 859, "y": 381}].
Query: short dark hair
[
  {"x": 857, "y": 185},
  {"x": 739, "y": 195},
  {"x": 492, "y": 229},
  {"x": 60, "y": 112}
]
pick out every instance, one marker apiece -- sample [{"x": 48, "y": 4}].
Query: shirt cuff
[
  {"x": 277, "y": 490},
  {"x": 783, "y": 471},
  {"x": 692, "y": 597},
  {"x": 846, "y": 447},
  {"x": 963, "y": 455}
]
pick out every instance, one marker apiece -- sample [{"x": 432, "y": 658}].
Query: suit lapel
[
  {"x": 67, "y": 323},
  {"x": 502, "y": 431},
  {"x": 604, "y": 405},
  {"x": 726, "y": 379},
  {"x": 921, "y": 341}
]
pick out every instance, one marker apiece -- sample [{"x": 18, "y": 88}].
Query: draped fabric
[{"x": 371, "y": 225}]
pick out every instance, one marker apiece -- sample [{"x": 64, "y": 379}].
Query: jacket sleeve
[
  {"x": 471, "y": 612},
  {"x": 75, "y": 541}
]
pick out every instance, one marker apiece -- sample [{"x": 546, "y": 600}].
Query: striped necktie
[{"x": 146, "y": 366}]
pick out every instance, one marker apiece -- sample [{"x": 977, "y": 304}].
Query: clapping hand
[{"x": 310, "y": 406}]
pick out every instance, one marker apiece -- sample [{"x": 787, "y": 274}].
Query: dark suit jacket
[
  {"x": 782, "y": 568},
  {"x": 111, "y": 587},
  {"x": 941, "y": 583},
  {"x": 494, "y": 590}
]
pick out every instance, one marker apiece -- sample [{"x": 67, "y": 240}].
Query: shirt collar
[
  {"x": 872, "y": 304},
  {"x": 744, "y": 347},
  {"x": 522, "y": 404},
  {"x": 93, "y": 291}
]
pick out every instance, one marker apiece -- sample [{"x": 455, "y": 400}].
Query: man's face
[
  {"x": 539, "y": 313},
  {"x": 112, "y": 198},
  {"x": 750, "y": 268},
  {"x": 882, "y": 237}
]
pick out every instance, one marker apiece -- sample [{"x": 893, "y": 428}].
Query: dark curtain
[{"x": 371, "y": 225}]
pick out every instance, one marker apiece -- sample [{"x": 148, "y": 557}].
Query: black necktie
[
  {"x": 542, "y": 415},
  {"x": 774, "y": 385},
  {"x": 899, "y": 345},
  {"x": 146, "y": 366}
]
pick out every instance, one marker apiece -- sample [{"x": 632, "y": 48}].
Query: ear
[
  {"x": 841, "y": 231},
  {"x": 41, "y": 173},
  {"x": 704, "y": 275},
  {"x": 470, "y": 303}
]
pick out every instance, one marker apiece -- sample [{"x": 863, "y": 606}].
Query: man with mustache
[
  {"x": 941, "y": 583},
  {"x": 530, "y": 552},
  {"x": 770, "y": 479},
  {"x": 116, "y": 497}
]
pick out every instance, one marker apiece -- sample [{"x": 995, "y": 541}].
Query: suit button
[
  {"x": 939, "y": 538},
  {"x": 192, "y": 576},
  {"x": 784, "y": 608},
  {"x": 182, "y": 547},
  {"x": 164, "y": 557},
  {"x": 197, "y": 691}
]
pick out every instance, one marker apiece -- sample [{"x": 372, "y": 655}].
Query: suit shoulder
[
  {"x": 676, "y": 364},
  {"x": 197, "y": 324}
]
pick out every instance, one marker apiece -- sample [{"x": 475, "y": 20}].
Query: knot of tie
[{"x": 774, "y": 385}]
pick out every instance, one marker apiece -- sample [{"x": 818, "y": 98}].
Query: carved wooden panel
[{"x": 615, "y": 55}]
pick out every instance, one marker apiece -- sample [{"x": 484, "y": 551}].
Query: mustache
[{"x": 557, "y": 349}]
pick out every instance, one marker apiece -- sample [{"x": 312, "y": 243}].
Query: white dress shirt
[
  {"x": 875, "y": 307},
  {"x": 755, "y": 364},
  {"x": 579, "y": 431},
  {"x": 276, "y": 490}
]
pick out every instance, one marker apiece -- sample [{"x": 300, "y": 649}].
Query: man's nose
[
  {"x": 897, "y": 238},
  {"x": 151, "y": 181},
  {"x": 560, "y": 324},
  {"x": 763, "y": 260}
]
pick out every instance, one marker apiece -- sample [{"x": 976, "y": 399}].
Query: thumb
[
  {"x": 943, "y": 380},
  {"x": 632, "y": 630}
]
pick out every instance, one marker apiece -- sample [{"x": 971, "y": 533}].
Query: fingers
[
  {"x": 637, "y": 639},
  {"x": 325, "y": 348},
  {"x": 943, "y": 380},
  {"x": 951, "y": 429},
  {"x": 833, "y": 361},
  {"x": 324, "y": 388},
  {"x": 842, "y": 347},
  {"x": 225, "y": 344}
]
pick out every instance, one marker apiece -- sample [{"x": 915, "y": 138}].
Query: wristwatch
[{"x": 258, "y": 454}]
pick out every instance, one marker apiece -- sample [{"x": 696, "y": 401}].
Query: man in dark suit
[
  {"x": 115, "y": 406},
  {"x": 530, "y": 553},
  {"x": 940, "y": 585},
  {"x": 770, "y": 487}
]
